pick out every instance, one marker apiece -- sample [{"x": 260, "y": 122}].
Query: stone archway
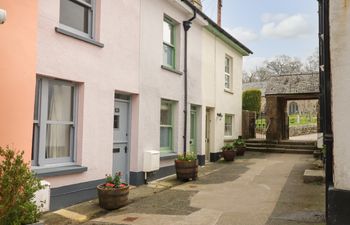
[{"x": 279, "y": 90}]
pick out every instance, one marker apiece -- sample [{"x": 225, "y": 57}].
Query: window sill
[
  {"x": 228, "y": 91},
  {"x": 58, "y": 170},
  {"x": 79, "y": 37},
  {"x": 171, "y": 70},
  {"x": 228, "y": 138},
  {"x": 167, "y": 156}
]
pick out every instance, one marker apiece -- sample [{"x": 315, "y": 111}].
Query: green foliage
[
  {"x": 252, "y": 100},
  {"x": 303, "y": 120},
  {"x": 112, "y": 182},
  {"x": 17, "y": 188},
  {"x": 228, "y": 147},
  {"x": 190, "y": 156},
  {"x": 239, "y": 143}
]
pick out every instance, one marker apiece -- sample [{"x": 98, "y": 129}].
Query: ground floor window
[
  {"x": 54, "y": 122},
  {"x": 228, "y": 125},
  {"x": 166, "y": 125}
]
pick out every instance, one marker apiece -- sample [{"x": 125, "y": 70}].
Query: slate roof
[{"x": 293, "y": 84}]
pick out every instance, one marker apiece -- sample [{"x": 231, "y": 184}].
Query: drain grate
[{"x": 303, "y": 216}]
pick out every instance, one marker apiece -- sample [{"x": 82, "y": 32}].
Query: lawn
[{"x": 293, "y": 121}]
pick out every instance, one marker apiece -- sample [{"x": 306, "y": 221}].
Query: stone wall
[{"x": 302, "y": 130}]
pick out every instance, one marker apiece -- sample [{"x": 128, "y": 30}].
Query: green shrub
[
  {"x": 17, "y": 188},
  {"x": 190, "y": 156},
  {"x": 251, "y": 100}
]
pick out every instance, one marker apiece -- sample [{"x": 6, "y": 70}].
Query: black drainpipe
[{"x": 186, "y": 26}]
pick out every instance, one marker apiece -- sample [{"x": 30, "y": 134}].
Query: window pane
[
  {"x": 168, "y": 32},
  {"x": 36, "y": 103},
  {"x": 168, "y": 55},
  {"x": 228, "y": 125},
  {"x": 58, "y": 141},
  {"x": 227, "y": 81},
  {"x": 60, "y": 102},
  {"x": 165, "y": 137},
  {"x": 74, "y": 15},
  {"x": 227, "y": 65},
  {"x": 165, "y": 114}
]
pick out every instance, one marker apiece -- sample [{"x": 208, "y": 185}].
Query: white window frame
[
  {"x": 91, "y": 22},
  {"x": 225, "y": 125},
  {"x": 170, "y": 148},
  {"x": 228, "y": 73},
  {"x": 170, "y": 21},
  {"x": 40, "y": 125}
]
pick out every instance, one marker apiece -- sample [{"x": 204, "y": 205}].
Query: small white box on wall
[
  {"x": 151, "y": 161},
  {"x": 42, "y": 197}
]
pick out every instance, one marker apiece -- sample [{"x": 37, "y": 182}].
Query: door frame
[{"x": 116, "y": 100}]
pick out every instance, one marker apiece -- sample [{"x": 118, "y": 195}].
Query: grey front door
[
  {"x": 193, "y": 130},
  {"x": 121, "y": 139}
]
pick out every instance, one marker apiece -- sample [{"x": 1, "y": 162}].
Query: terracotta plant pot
[
  {"x": 229, "y": 155},
  {"x": 240, "y": 151},
  {"x": 186, "y": 170},
  {"x": 112, "y": 198}
]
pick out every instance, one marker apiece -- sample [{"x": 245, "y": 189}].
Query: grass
[{"x": 293, "y": 121}]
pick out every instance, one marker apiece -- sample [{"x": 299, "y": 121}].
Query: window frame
[
  {"x": 169, "y": 148},
  {"x": 229, "y": 73},
  {"x": 225, "y": 125},
  {"x": 171, "y": 22},
  {"x": 39, "y": 138},
  {"x": 91, "y": 20}
]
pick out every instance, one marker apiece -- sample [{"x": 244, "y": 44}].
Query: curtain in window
[{"x": 59, "y": 121}]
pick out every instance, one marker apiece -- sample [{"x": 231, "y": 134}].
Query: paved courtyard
[{"x": 258, "y": 189}]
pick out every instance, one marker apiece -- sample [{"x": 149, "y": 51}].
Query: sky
[{"x": 270, "y": 27}]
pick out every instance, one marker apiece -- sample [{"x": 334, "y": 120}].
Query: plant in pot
[
  {"x": 186, "y": 166},
  {"x": 240, "y": 146},
  {"x": 18, "y": 186},
  {"x": 228, "y": 152},
  {"x": 113, "y": 194}
]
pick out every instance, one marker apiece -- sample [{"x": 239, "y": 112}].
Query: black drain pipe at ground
[{"x": 186, "y": 26}]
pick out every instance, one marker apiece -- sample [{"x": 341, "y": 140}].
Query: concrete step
[
  {"x": 313, "y": 176},
  {"x": 300, "y": 146},
  {"x": 281, "y": 150}
]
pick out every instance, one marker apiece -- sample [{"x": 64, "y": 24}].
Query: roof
[
  {"x": 256, "y": 85},
  {"x": 218, "y": 28},
  {"x": 306, "y": 83}
]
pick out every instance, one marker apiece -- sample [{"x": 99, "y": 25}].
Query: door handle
[
  {"x": 126, "y": 149},
  {"x": 190, "y": 142}
]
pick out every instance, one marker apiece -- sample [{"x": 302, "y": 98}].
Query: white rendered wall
[
  {"x": 214, "y": 52},
  {"x": 340, "y": 70},
  {"x": 100, "y": 71}
]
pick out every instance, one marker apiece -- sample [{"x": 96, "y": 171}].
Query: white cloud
[
  {"x": 282, "y": 26},
  {"x": 243, "y": 34},
  {"x": 271, "y": 17},
  {"x": 250, "y": 63}
]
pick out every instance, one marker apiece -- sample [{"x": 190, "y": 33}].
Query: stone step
[
  {"x": 313, "y": 176},
  {"x": 300, "y": 146},
  {"x": 281, "y": 150}
]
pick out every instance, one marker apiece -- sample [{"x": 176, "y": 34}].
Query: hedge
[{"x": 252, "y": 100}]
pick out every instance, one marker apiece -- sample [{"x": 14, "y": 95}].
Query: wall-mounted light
[
  {"x": 2, "y": 16},
  {"x": 219, "y": 115}
]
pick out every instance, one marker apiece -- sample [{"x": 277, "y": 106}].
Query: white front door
[{"x": 121, "y": 139}]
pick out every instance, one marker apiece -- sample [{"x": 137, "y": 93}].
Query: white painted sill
[{"x": 228, "y": 91}]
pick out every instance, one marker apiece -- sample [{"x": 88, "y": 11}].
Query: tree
[
  {"x": 283, "y": 64},
  {"x": 312, "y": 63}
]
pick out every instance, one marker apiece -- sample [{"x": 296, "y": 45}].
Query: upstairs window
[
  {"x": 228, "y": 73},
  {"x": 77, "y": 16},
  {"x": 168, "y": 43}
]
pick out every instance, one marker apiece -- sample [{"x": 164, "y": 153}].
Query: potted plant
[
  {"x": 186, "y": 167},
  {"x": 228, "y": 152},
  {"x": 18, "y": 186},
  {"x": 240, "y": 146},
  {"x": 113, "y": 194}
]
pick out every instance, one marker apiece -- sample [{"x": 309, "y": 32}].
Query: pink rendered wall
[{"x": 17, "y": 74}]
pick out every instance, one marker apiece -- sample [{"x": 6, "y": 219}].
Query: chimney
[
  {"x": 197, "y": 3},
  {"x": 219, "y": 12}
]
